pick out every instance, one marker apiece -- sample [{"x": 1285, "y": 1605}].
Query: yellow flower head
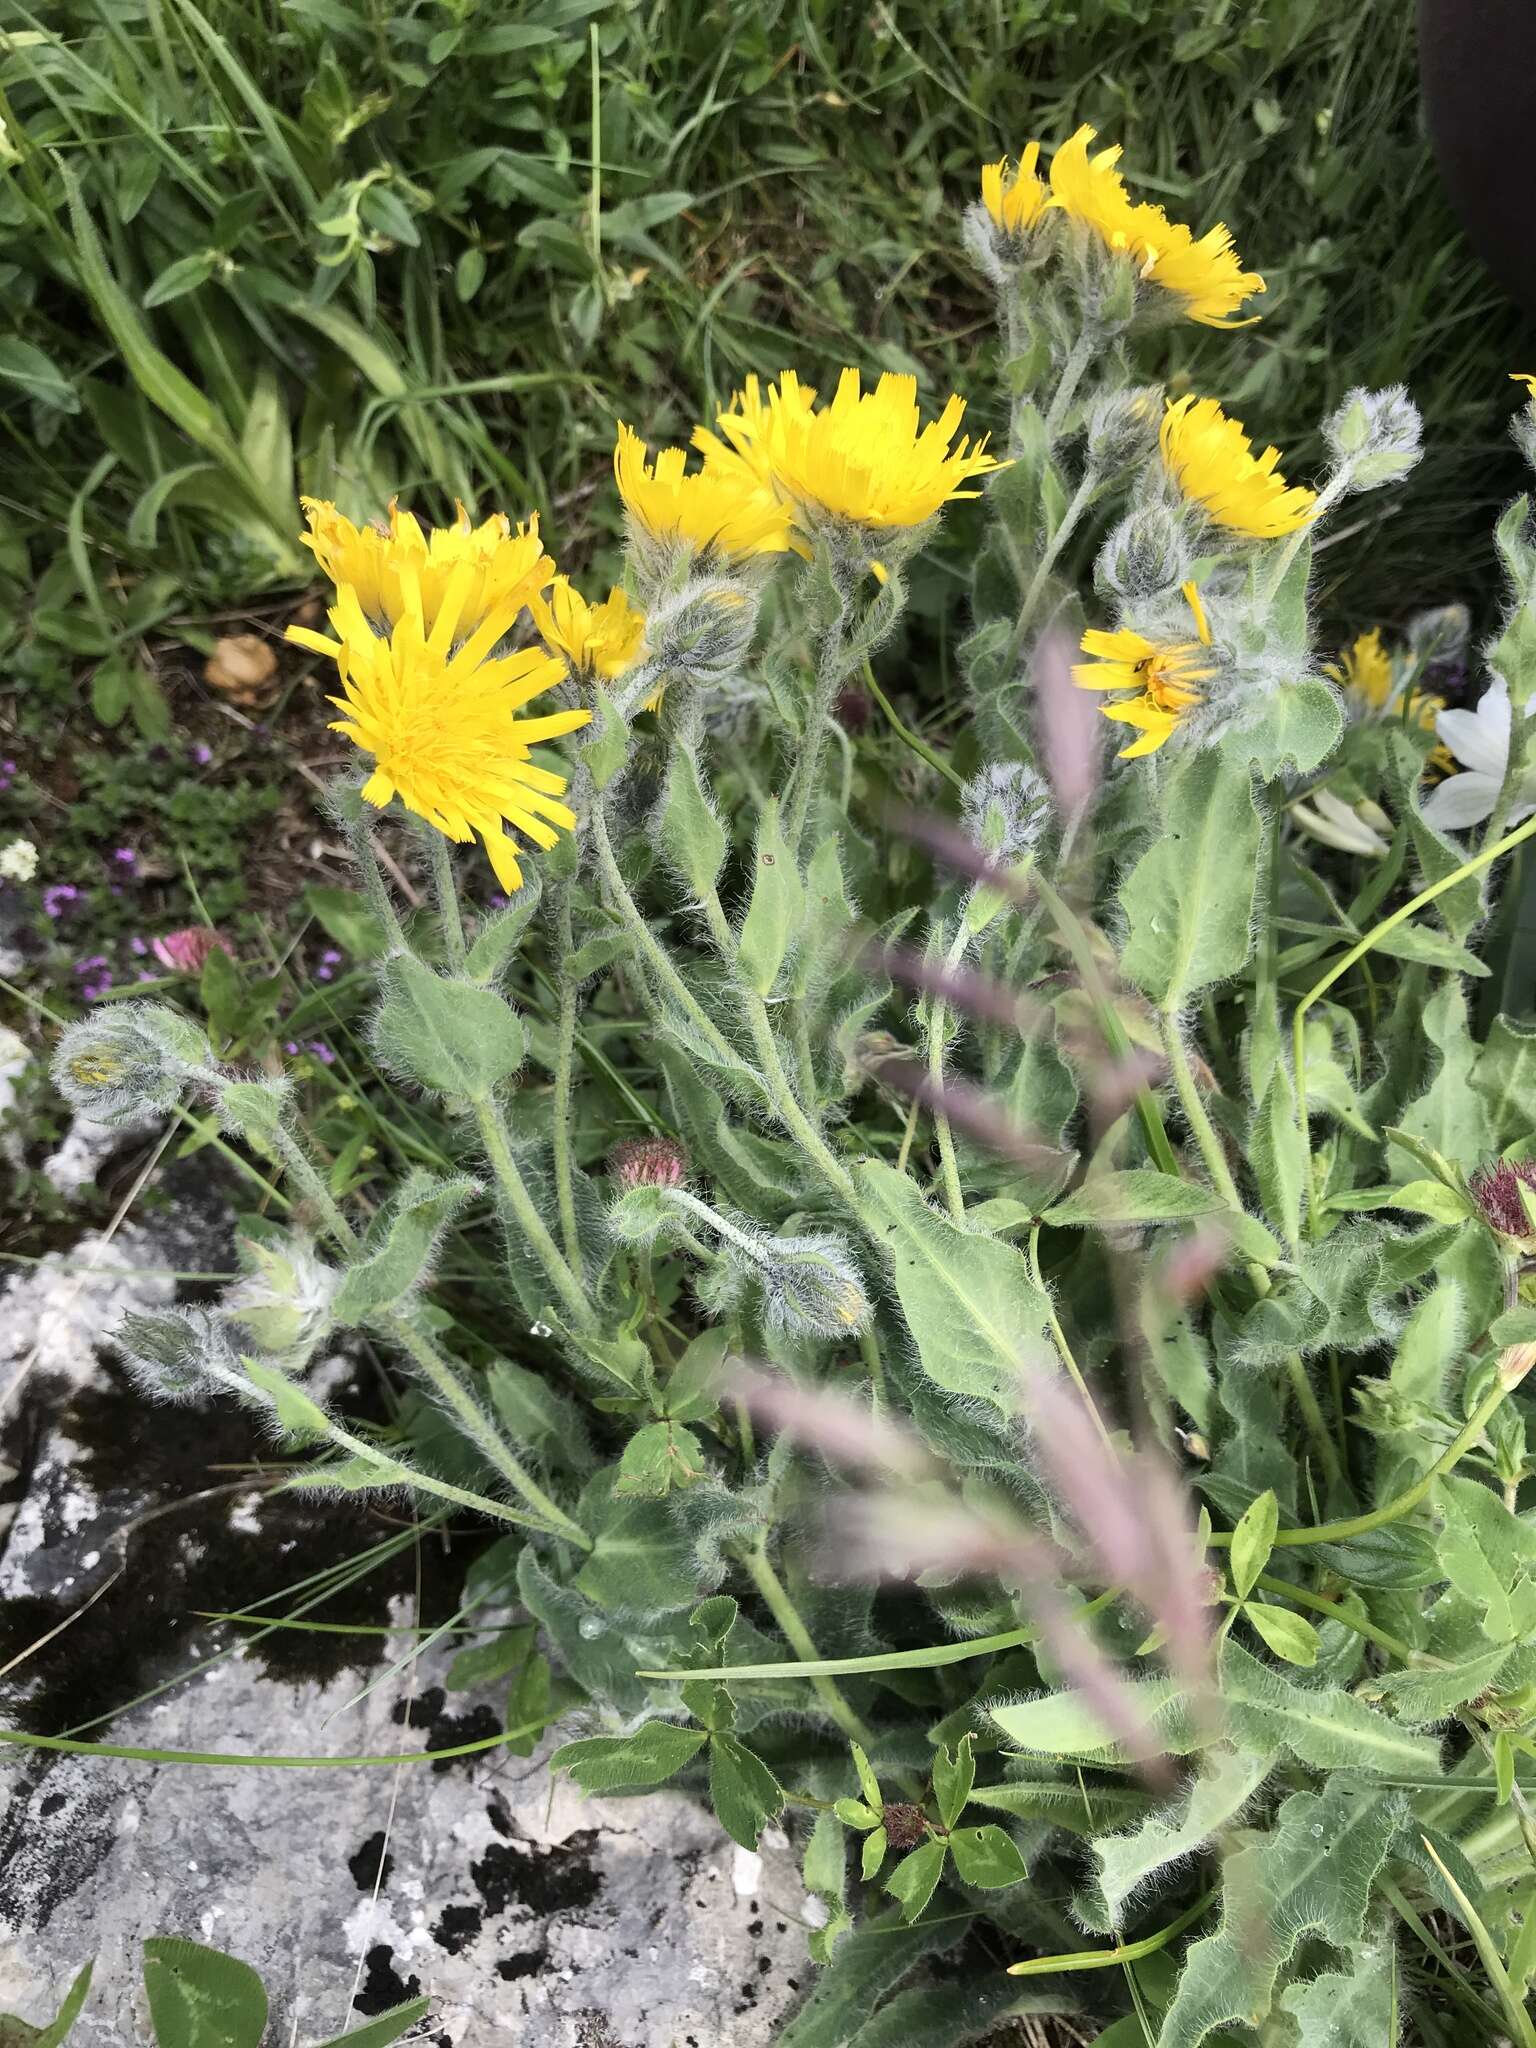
[
  {"x": 1161, "y": 679},
  {"x": 405, "y": 567},
  {"x": 745, "y": 423},
  {"x": 440, "y": 721},
  {"x": 721, "y": 507},
  {"x": 1365, "y": 667},
  {"x": 1205, "y": 273},
  {"x": 1212, "y": 461},
  {"x": 596, "y": 639},
  {"x": 865, "y": 457},
  {"x": 1014, "y": 195},
  {"x": 1528, "y": 380}
]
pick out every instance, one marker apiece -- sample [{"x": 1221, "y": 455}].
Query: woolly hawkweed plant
[{"x": 1134, "y": 1312}]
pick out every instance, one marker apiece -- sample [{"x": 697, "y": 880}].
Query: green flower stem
[
  {"x": 784, "y": 1611},
  {"x": 831, "y": 672},
  {"x": 1327, "y": 498},
  {"x": 1081, "y": 499},
  {"x": 411, "y": 1476},
  {"x": 1318, "y": 1603},
  {"x": 1059, "y": 1338},
  {"x": 447, "y": 893},
  {"x": 307, "y": 1177},
  {"x": 906, "y": 735},
  {"x": 1358, "y": 951},
  {"x": 1075, "y": 939},
  {"x": 1403, "y": 1503},
  {"x": 375, "y": 888},
  {"x": 565, "y": 1063},
  {"x": 653, "y": 953},
  {"x": 519, "y": 1214},
  {"x": 1081, "y": 354},
  {"x": 1113, "y": 1958},
  {"x": 477, "y": 1426},
  {"x": 1312, "y": 1415},
  {"x": 949, "y": 1166},
  {"x": 786, "y": 1103},
  {"x": 1195, "y": 1114}
]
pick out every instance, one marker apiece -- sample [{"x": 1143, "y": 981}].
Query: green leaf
[
  {"x": 1489, "y": 1556},
  {"x": 1434, "y": 1199},
  {"x": 297, "y": 1415},
  {"x": 1068, "y": 1723},
  {"x": 497, "y": 1657},
  {"x": 28, "y": 367},
  {"x": 972, "y": 1309},
  {"x": 1321, "y": 1724},
  {"x": 986, "y": 1857},
  {"x": 954, "y": 1773},
  {"x": 692, "y": 837},
  {"x": 854, "y": 1813},
  {"x": 604, "y": 752},
  {"x": 389, "y": 2026},
  {"x": 743, "y": 1791},
  {"x": 1278, "y": 1155},
  {"x": 1312, "y": 1874},
  {"x": 872, "y": 1854},
  {"x": 1451, "y": 1116},
  {"x": 1397, "y": 1558},
  {"x": 18, "y": 2033},
  {"x": 398, "y": 1246},
  {"x": 1353, "y": 2008},
  {"x": 869, "y": 1784},
  {"x": 640, "y": 1561},
  {"x": 692, "y": 1390},
  {"x": 199, "y": 1998},
  {"x": 344, "y": 915},
  {"x": 503, "y": 931},
  {"x": 450, "y": 1037},
  {"x": 657, "y": 1458},
  {"x": 776, "y": 911},
  {"x": 916, "y": 1877},
  {"x": 1301, "y": 724},
  {"x": 1189, "y": 899},
  {"x": 628, "y": 1763},
  {"x": 1289, "y": 1635},
  {"x": 867, "y": 1964},
  {"x": 1126, "y": 1861},
  {"x": 184, "y": 274},
  {"x": 1138, "y": 1195},
  {"x": 1252, "y": 1541}
]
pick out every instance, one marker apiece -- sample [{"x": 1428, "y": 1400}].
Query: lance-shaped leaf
[
  {"x": 777, "y": 907},
  {"x": 628, "y": 1763},
  {"x": 450, "y": 1037},
  {"x": 1217, "y": 1796},
  {"x": 399, "y": 1245},
  {"x": 975, "y": 1315},
  {"x": 1138, "y": 1195},
  {"x": 1189, "y": 898}
]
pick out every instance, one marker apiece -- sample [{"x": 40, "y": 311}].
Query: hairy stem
[
  {"x": 445, "y": 888},
  {"x": 565, "y": 1061},
  {"x": 776, "y": 1599},
  {"x": 520, "y": 1216}
]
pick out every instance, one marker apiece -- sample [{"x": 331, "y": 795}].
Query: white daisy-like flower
[{"x": 1480, "y": 741}]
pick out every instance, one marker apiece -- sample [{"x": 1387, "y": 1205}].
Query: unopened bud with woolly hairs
[
  {"x": 1121, "y": 429},
  {"x": 1004, "y": 810},
  {"x": 134, "y": 1060},
  {"x": 703, "y": 633},
  {"x": 283, "y": 1304},
  {"x": 811, "y": 1287},
  {"x": 177, "y": 1355},
  {"x": 1147, "y": 554},
  {"x": 1374, "y": 436}
]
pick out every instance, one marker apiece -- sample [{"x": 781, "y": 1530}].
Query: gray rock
[{"x": 526, "y": 1911}]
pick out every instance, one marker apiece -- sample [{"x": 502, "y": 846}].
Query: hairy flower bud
[
  {"x": 176, "y": 1355},
  {"x": 1145, "y": 555},
  {"x": 1005, "y": 809},
  {"x": 284, "y": 1302},
  {"x": 125, "y": 1062},
  {"x": 811, "y": 1287},
  {"x": 653, "y": 1162},
  {"x": 1505, "y": 1195},
  {"x": 704, "y": 633},
  {"x": 1375, "y": 436},
  {"x": 1122, "y": 429}
]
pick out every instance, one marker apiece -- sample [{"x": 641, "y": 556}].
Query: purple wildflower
[
  {"x": 322, "y": 1052},
  {"x": 202, "y": 754},
  {"x": 57, "y": 897},
  {"x": 126, "y": 857},
  {"x": 138, "y": 947},
  {"x": 330, "y": 960}
]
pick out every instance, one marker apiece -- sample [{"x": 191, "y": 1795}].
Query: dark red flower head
[
  {"x": 1496, "y": 1191},
  {"x": 654, "y": 1162}
]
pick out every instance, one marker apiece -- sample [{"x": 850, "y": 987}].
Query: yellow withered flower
[
  {"x": 1212, "y": 461},
  {"x": 1160, "y": 679},
  {"x": 596, "y": 639},
  {"x": 404, "y": 566},
  {"x": 1204, "y": 272},
  {"x": 721, "y": 507},
  {"x": 1014, "y": 194},
  {"x": 865, "y": 457},
  {"x": 439, "y": 720}
]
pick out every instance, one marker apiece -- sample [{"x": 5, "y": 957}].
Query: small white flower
[
  {"x": 18, "y": 861},
  {"x": 1480, "y": 741}
]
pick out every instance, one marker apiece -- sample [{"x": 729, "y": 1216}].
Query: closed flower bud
[
  {"x": 1005, "y": 809},
  {"x": 1439, "y": 636},
  {"x": 1145, "y": 555},
  {"x": 1505, "y": 1195},
  {"x": 133, "y": 1060},
  {"x": 1122, "y": 429},
  {"x": 704, "y": 633},
  {"x": 811, "y": 1287},
  {"x": 653, "y": 1162},
  {"x": 174, "y": 1356},
  {"x": 284, "y": 1302},
  {"x": 1375, "y": 436}
]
